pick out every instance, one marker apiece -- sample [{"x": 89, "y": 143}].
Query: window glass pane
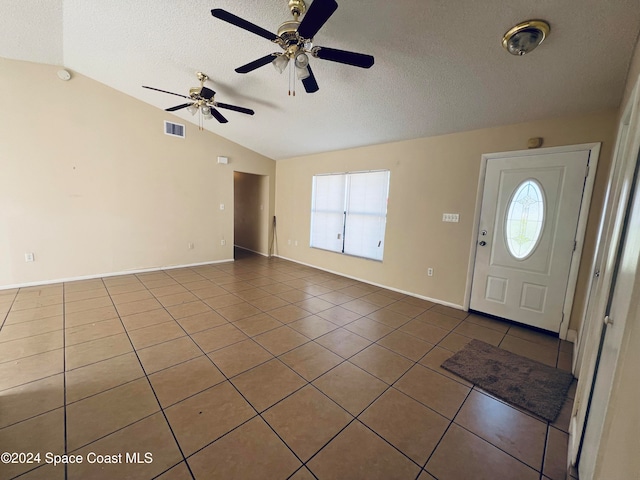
[
  {"x": 327, "y": 211},
  {"x": 525, "y": 218},
  {"x": 366, "y": 214}
]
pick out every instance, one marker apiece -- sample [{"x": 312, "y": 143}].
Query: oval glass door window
[{"x": 525, "y": 217}]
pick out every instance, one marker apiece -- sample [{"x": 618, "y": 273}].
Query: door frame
[{"x": 594, "y": 154}]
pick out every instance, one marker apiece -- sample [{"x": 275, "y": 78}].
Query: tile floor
[{"x": 259, "y": 369}]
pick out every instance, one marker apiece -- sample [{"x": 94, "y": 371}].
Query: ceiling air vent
[{"x": 174, "y": 129}]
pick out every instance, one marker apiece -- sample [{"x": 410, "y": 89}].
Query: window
[
  {"x": 349, "y": 213},
  {"x": 525, "y": 218}
]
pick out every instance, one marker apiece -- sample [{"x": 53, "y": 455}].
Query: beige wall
[
  {"x": 251, "y": 199},
  {"x": 91, "y": 185},
  {"x": 429, "y": 176},
  {"x": 618, "y": 453}
]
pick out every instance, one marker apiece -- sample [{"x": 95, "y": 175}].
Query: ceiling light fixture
[
  {"x": 280, "y": 63},
  {"x": 525, "y": 37}
]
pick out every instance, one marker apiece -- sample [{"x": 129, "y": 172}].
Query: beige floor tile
[
  {"x": 473, "y": 330},
  {"x": 460, "y": 453},
  {"x": 406, "y": 345},
  {"x": 270, "y": 302},
  {"x": 188, "y": 309},
  {"x": 238, "y": 311},
  {"x": 98, "y": 377},
  {"x": 202, "y": 418},
  {"x": 167, "y": 354},
  {"x": 424, "y": 331},
  {"x": 302, "y": 474},
  {"x": 357, "y": 452},
  {"x": 149, "y": 438},
  {"x": 218, "y": 337},
  {"x": 33, "y": 314},
  {"x": 26, "y": 401},
  {"x": 520, "y": 435},
  {"x": 179, "y": 472},
  {"x": 177, "y": 299},
  {"x": 565, "y": 361},
  {"x": 544, "y": 339},
  {"x": 129, "y": 297},
  {"x": 289, "y": 313},
  {"x": 313, "y": 326},
  {"x": 128, "y": 287},
  {"x": 420, "y": 302},
  {"x": 343, "y": 342},
  {"x": 44, "y": 433},
  {"x": 294, "y": 296},
  {"x": 555, "y": 458},
  {"x": 356, "y": 291},
  {"x": 239, "y": 357},
  {"x": 185, "y": 379},
  {"x": 406, "y": 308},
  {"x": 257, "y": 324},
  {"x": 83, "y": 285},
  {"x": 252, "y": 294},
  {"x": 350, "y": 387},
  {"x": 96, "y": 350},
  {"x": 360, "y": 306},
  {"x": 145, "y": 319},
  {"x": 454, "y": 342},
  {"x": 382, "y": 363},
  {"x": 29, "y": 369},
  {"x": 89, "y": 304},
  {"x": 435, "y": 358},
  {"x": 433, "y": 390},
  {"x": 267, "y": 384},
  {"x": 92, "y": 331},
  {"x": 154, "y": 334},
  {"x": 452, "y": 312},
  {"x": 36, "y": 302},
  {"x": 281, "y": 340},
  {"x": 85, "y": 294},
  {"x": 338, "y": 315},
  {"x": 389, "y": 317},
  {"x": 45, "y": 472},
  {"x": 158, "y": 282},
  {"x": 311, "y": 360},
  {"x": 378, "y": 299},
  {"x": 202, "y": 321},
  {"x": 408, "y": 425},
  {"x": 227, "y": 458},
  {"x": 25, "y": 347},
  {"x": 369, "y": 329},
  {"x": 564, "y": 417},
  {"x": 106, "y": 412},
  {"x": 315, "y": 290},
  {"x": 426, "y": 476},
  {"x": 89, "y": 316},
  {"x": 131, "y": 308},
  {"x": 497, "y": 325},
  {"x": 172, "y": 289},
  {"x": 439, "y": 320},
  {"x": 534, "y": 351},
  {"x": 306, "y": 421},
  {"x": 276, "y": 288},
  {"x": 314, "y": 305},
  {"x": 223, "y": 300}
]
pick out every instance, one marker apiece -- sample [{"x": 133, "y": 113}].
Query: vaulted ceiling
[{"x": 439, "y": 65}]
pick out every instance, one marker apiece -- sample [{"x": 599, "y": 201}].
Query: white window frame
[{"x": 344, "y": 208}]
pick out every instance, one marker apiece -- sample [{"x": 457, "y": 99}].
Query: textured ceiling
[{"x": 440, "y": 67}]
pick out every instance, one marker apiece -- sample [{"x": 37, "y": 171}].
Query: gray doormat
[{"x": 528, "y": 384}]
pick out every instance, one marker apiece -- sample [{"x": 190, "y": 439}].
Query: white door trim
[{"x": 594, "y": 153}]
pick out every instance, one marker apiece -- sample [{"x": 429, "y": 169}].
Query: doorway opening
[{"x": 251, "y": 212}]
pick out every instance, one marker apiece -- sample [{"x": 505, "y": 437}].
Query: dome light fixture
[{"x": 525, "y": 37}]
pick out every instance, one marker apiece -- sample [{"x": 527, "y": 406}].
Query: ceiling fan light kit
[
  {"x": 295, "y": 38},
  {"x": 525, "y": 37}
]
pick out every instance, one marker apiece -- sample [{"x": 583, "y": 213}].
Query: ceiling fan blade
[
  {"x": 310, "y": 84},
  {"x": 218, "y": 115},
  {"x": 164, "y": 91},
  {"x": 242, "y": 23},
  {"x": 177, "y": 107},
  {"x": 341, "y": 56},
  {"x": 261, "y": 62},
  {"x": 317, "y": 15},
  {"x": 235, "y": 108},
  {"x": 207, "y": 93}
]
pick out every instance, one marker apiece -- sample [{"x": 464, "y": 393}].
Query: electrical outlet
[
  {"x": 223, "y": 242},
  {"x": 430, "y": 272},
  {"x": 29, "y": 257},
  {"x": 451, "y": 217},
  {"x": 190, "y": 246}
]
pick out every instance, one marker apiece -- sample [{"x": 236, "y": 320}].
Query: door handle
[{"x": 482, "y": 243}]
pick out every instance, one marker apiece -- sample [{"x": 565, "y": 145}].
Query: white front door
[{"x": 526, "y": 236}]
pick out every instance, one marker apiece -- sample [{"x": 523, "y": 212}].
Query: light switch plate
[{"x": 451, "y": 217}]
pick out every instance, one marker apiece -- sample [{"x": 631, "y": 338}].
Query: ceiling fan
[
  {"x": 295, "y": 37},
  {"x": 202, "y": 100}
]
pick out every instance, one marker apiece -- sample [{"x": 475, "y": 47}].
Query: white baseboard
[
  {"x": 572, "y": 336},
  {"x": 110, "y": 274},
  {"x": 411, "y": 294}
]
